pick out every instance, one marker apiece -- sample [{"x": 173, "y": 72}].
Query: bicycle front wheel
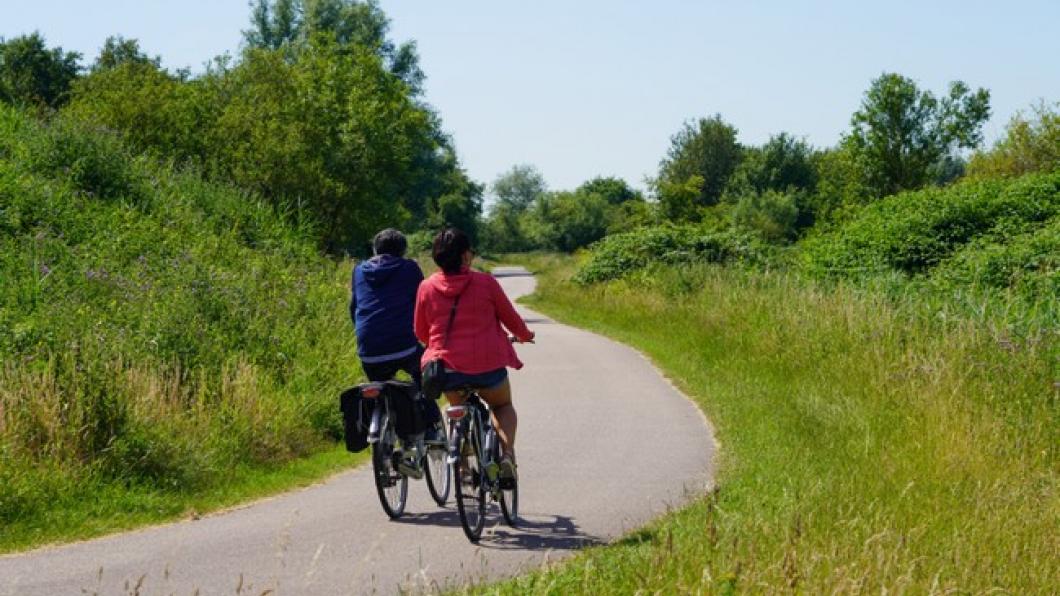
[{"x": 470, "y": 488}]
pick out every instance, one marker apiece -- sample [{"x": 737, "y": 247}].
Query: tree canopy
[
  {"x": 903, "y": 135},
  {"x": 697, "y": 167},
  {"x": 517, "y": 188},
  {"x": 614, "y": 190},
  {"x": 1031, "y": 144},
  {"x": 32, "y": 74},
  {"x": 289, "y": 25}
]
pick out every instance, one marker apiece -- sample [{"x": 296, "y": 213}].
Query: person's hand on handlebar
[{"x": 515, "y": 339}]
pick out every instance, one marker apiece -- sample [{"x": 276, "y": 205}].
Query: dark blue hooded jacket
[{"x": 382, "y": 306}]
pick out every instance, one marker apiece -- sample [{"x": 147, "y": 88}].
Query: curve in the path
[{"x": 605, "y": 444}]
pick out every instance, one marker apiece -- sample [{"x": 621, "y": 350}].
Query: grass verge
[
  {"x": 110, "y": 508},
  {"x": 868, "y": 444}
]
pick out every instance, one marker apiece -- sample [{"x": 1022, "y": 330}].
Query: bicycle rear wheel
[
  {"x": 470, "y": 490},
  {"x": 439, "y": 474},
  {"x": 391, "y": 485}
]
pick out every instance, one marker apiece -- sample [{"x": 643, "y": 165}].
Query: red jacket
[{"x": 476, "y": 342}]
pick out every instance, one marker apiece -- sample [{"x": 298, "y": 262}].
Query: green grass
[
  {"x": 166, "y": 342},
  {"x": 868, "y": 445},
  {"x": 110, "y": 508}
]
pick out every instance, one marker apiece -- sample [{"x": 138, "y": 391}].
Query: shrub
[
  {"x": 771, "y": 214},
  {"x": 93, "y": 161},
  {"x": 620, "y": 254},
  {"x": 913, "y": 232},
  {"x": 1029, "y": 263}
]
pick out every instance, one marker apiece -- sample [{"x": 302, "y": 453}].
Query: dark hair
[
  {"x": 449, "y": 247},
  {"x": 390, "y": 242}
]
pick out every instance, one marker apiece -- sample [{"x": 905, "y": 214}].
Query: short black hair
[
  {"x": 449, "y": 247},
  {"x": 390, "y": 242}
]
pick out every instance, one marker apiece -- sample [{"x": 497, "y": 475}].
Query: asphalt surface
[{"x": 605, "y": 444}]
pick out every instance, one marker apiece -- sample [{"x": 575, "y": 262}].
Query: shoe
[
  {"x": 492, "y": 470},
  {"x": 508, "y": 468},
  {"x": 408, "y": 465}
]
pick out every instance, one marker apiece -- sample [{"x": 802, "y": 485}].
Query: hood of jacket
[
  {"x": 377, "y": 270},
  {"x": 449, "y": 285}
]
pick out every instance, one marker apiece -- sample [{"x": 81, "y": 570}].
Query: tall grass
[
  {"x": 159, "y": 334},
  {"x": 867, "y": 444}
]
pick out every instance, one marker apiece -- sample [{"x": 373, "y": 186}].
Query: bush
[
  {"x": 93, "y": 161},
  {"x": 913, "y": 232},
  {"x": 618, "y": 255},
  {"x": 1029, "y": 263},
  {"x": 772, "y": 215}
]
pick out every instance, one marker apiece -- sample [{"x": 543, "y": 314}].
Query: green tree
[
  {"x": 460, "y": 205},
  {"x": 782, "y": 166},
  {"x": 118, "y": 50},
  {"x": 154, "y": 111},
  {"x": 333, "y": 134},
  {"x": 566, "y": 220},
  {"x": 519, "y": 187},
  {"x": 1031, "y": 144},
  {"x": 614, "y": 190},
  {"x": 783, "y": 163},
  {"x": 679, "y": 201},
  {"x": 841, "y": 184},
  {"x": 290, "y": 24},
  {"x": 503, "y": 230},
  {"x": 32, "y": 74},
  {"x": 707, "y": 150},
  {"x": 904, "y": 135},
  {"x": 772, "y": 214}
]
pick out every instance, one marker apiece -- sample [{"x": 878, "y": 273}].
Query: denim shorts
[{"x": 486, "y": 380}]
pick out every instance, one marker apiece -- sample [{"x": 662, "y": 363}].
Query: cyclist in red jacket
[{"x": 476, "y": 350}]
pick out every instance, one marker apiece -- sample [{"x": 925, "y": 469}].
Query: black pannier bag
[
  {"x": 357, "y": 412},
  {"x": 356, "y": 416},
  {"x": 404, "y": 399}
]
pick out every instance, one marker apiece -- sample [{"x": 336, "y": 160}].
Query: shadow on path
[
  {"x": 512, "y": 273},
  {"x": 533, "y": 533}
]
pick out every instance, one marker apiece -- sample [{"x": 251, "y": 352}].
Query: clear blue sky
[{"x": 585, "y": 88}]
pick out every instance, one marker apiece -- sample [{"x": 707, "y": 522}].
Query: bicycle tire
[
  {"x": 508, "y": 494},
  {"x": 438, "y": 473},
  {"x": 470, "y": 490},
  {"x": 391, "y": 486}
]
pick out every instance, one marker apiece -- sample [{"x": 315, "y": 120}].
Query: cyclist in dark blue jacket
[{"x": 382, "y": 304}]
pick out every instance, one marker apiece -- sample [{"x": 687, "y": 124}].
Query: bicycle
[
  {"x": 388, "y": 451},
  {"x": 475, "y": 456}
]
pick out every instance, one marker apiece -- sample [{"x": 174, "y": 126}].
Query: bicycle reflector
[
  {"x": 456, "y": 412},
  {"x": 370, "y": 391}
]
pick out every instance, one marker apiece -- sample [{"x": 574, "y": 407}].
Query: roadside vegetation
[
  {"x": 167, "y": 343},
  {"x": 884, "y": 382},
  {"x": 872, "y": 439},
  {"x": 871, "y": 326}
]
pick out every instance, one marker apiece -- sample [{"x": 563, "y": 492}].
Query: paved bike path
[{"x": 604, "y": 442}]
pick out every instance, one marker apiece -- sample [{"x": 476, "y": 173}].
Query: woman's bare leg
[{"x": 505, "y": 420}]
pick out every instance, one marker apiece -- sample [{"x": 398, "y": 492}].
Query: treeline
[
  {"x": 321, "y": 114},
  {"x": 901, "y": 139}
]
